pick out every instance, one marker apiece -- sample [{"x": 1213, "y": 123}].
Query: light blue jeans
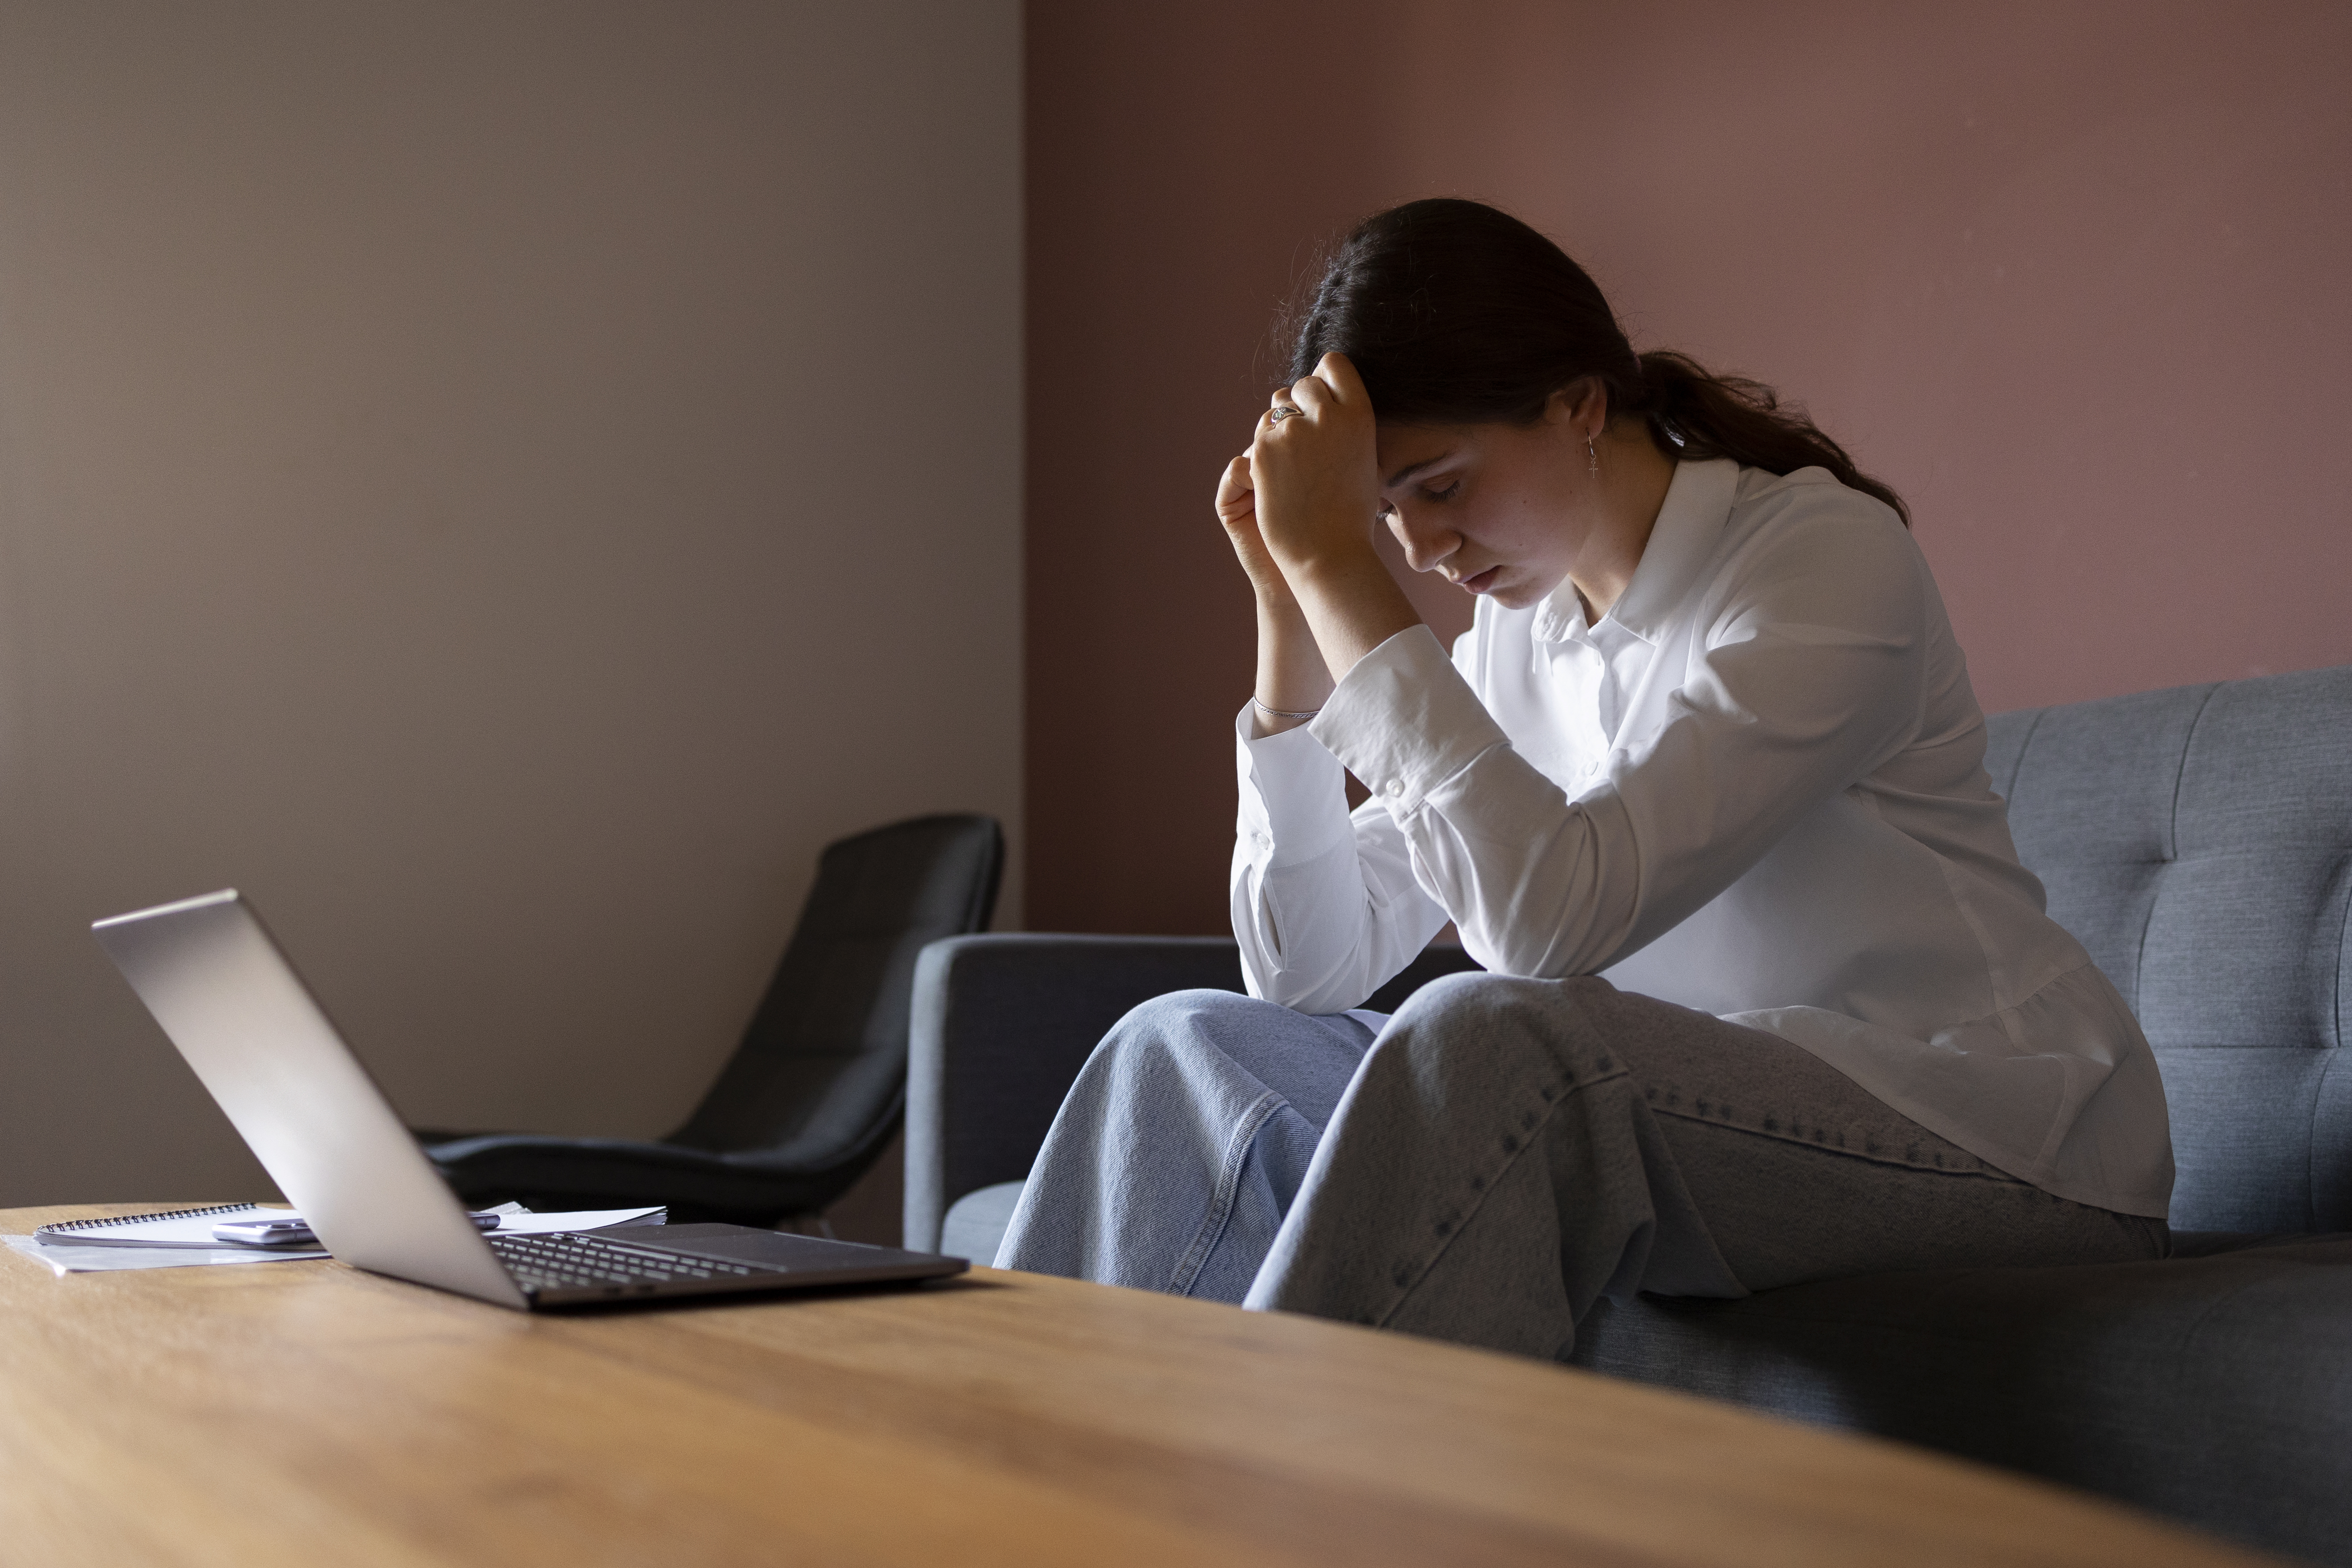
[{"x": 1497, "y": 1157}]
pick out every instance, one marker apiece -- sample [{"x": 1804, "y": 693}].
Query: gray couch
[{"x": 2198, "y": 841}]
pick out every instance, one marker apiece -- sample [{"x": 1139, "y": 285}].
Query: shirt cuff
[
  {"x": 1294, "y": 795},
  {"x": 1404, "y": 721}
]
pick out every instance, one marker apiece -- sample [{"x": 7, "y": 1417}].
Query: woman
[{"x": 1770, "y": 997}]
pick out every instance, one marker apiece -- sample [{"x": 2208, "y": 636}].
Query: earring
[{"x": 1591, "y": 457}]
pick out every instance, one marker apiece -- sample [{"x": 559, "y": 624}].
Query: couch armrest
[{"x": 1002, "y": 1024}]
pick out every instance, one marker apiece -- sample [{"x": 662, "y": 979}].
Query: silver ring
[{"x": 1281, "y": 411}]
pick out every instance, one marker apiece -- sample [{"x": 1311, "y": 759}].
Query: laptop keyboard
[{"x": 573, "y": 1261}]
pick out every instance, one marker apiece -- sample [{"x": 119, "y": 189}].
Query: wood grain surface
[{"x": 307, "y": 1412}]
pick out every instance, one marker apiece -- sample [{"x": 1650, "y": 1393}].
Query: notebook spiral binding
[{"x": 78, "y": 1226}]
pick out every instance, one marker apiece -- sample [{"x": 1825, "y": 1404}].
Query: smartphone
[{"x": 288, "y": 1230}]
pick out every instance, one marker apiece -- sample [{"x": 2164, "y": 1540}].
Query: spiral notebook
[
  {"x": 193, "y": 1227},
  {"x": 174, "y": 1227}
]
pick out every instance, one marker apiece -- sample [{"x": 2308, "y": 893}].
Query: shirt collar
[{"x": 1690, "y": 522}]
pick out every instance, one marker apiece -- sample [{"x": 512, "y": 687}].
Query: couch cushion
[
  {"x": 2090, "y": 789},
  {"x": 2260, "y": 1136},
  {"x": 2199, "y": 842},
  {"x": 2215, "y": 1389},
  {"x": 976, "y": 1222},
  {"x": 2245, "y": 943}
]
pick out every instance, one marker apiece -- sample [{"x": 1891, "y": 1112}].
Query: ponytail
[
  {"x": 1695, "y": 415},
  {"x": 1454, "y": 313}
]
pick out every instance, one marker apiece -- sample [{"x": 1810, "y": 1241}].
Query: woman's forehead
[{"x": 1400, "y": 448}]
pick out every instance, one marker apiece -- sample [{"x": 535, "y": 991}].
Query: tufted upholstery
[{"x": 2199, "y": 842}]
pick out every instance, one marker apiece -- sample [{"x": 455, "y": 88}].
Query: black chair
[{"x": 817, "y": 1089}]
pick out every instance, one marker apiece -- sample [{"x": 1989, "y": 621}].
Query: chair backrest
[
  {"x": 820, "y": 1074},
  {"x": 2199, "y": 842}
]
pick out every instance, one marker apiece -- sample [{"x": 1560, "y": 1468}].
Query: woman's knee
[
  {"x": 1507, "y": 1024},
  {"x": 1205, "y": 1036},
  {"x": 1180, "y": 1022},
  {"x": 1179, "y": 1011},
  {"x": 1478, "y": 994}
]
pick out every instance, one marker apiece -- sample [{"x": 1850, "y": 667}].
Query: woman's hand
[
  {"x": 1237, "y": 509},
  {"x": 1291, "y": 677},
  {"x": 1314, "y": 474},
  {"x": 1315, "y": 496},
  {"x": 1300, "y": 507}
]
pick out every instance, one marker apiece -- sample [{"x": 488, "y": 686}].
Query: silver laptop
[{"x": 224, "y": 991}]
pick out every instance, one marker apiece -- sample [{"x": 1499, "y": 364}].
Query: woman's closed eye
[{"x": 1425, "y": 495}]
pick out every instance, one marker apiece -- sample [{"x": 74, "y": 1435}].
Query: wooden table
[{"x": 307, "y": 1412}]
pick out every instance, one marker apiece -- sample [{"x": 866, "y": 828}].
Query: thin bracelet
[{"x": 1277, "y": 712}]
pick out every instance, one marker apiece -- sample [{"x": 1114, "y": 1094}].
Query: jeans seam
[
  {"x": 1980, "y": 1167},
  {"x": 1228, "y": 1189},
  {"x": 1408, "y": 1278}
]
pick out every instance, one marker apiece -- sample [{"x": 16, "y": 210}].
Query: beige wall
[
  {"x": 502, "y": 484},
  {"x": 2070, "y": 275}
]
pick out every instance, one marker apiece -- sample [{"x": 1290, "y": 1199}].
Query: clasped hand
[
  {"x": 1305, "y": 497},
  {"x": 1300, "y": 506}
]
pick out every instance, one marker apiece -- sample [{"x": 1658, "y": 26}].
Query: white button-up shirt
[{"x": 1756, "y": 787}]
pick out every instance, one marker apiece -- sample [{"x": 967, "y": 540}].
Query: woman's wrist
[
  {"x": 1276, "y": 598},
  {"x": 1292, "y": 686},
  {"x": 1352, "y": 607},
  {"x": 1332, "y": 570},
  {"x": 1264, "y": 722},
  {"x": 1292, "y": 680}
]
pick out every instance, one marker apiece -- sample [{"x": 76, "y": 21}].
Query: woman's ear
[{"x": 1582, "y": 406}]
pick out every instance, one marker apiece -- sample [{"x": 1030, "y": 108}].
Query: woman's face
[{"x": 1495, "y": 508}]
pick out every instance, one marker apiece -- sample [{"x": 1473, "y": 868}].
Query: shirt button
[{"x": 1393, "y": 789}]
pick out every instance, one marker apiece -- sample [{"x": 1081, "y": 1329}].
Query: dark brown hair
[{"x": 1454, "y": 313}]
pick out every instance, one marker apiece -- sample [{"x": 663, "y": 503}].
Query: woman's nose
[{"x": 1423, "y": 547}]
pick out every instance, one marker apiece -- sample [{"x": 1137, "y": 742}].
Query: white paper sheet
[
  {"x": 64, "y": 1260},
  {"x": 517, "y": 1221}
]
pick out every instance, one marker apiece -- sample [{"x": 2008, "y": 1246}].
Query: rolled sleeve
[
  {"x": 1325, "y": 904},
  {"x": 1293, "y": 795},
  {"x": 1537, "y": 884},
  {"x": 1404, "y": 721}
]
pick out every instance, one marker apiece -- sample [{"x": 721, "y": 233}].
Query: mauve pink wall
[{"x": 2071, "y": 278}]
